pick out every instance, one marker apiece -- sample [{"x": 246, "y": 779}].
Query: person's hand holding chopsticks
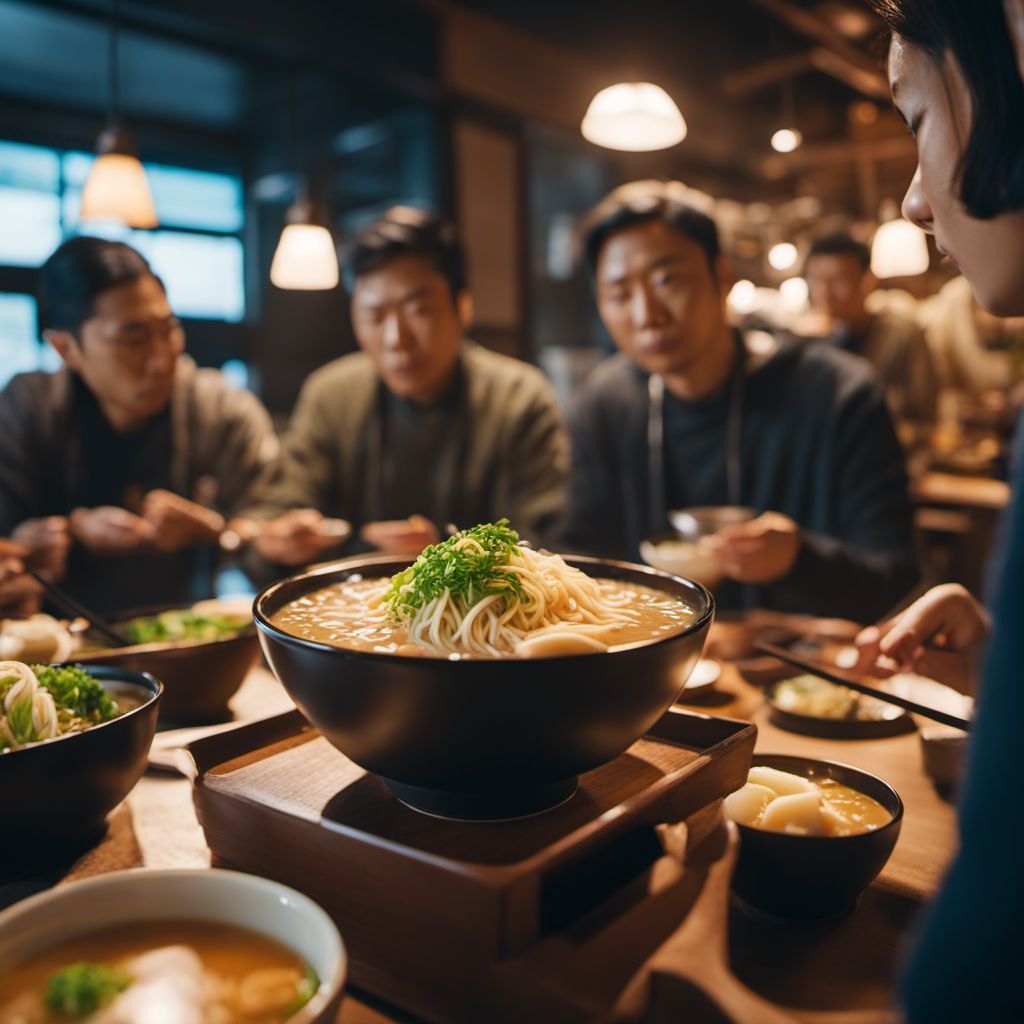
[
  {"x": 939, "y": 636},
  {"x": 19, "y": 593}
]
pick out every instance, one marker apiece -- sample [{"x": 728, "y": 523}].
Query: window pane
[
  {"x": 184, "y": 198},
  {"x": 28, "y": 167},
  {"x": 29, "y": 226},
  {"x": 20, "y": 350},
  {"x": 203, "y": 274},
  {"x": 196, "y": 199}
]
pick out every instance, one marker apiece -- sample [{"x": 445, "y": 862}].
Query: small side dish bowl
[
  {"x": 146, "y": 897},
  {"x": 200, "y": 677},
  {"x": 814, "y": 877}
]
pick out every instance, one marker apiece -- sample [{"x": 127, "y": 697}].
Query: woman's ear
[{"x": 1015, "y": 21}]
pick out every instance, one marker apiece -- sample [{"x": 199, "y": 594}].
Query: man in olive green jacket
[{"x": 423, "y": 428}]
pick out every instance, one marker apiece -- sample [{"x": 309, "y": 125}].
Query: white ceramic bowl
[{"x": 228, "y": 897}]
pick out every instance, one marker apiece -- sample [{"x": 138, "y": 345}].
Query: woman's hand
[{"x": 940, "y": 636}]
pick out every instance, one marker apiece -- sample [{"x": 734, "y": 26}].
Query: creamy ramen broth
[
  {"x": 245, "y": 977},
  {"x": 346, "y": 615}
]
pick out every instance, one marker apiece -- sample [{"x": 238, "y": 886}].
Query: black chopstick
[
  {"x": 853, "y": 684},
  {"x": 68, "y": 604}
]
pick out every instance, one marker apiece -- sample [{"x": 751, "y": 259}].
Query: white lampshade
[
  {"x": 117, "y": 189},
  {"x": 785, "y": 140},
  {"x": 782, "y": 256},
  {"x": 899, "y": 249},
  {"x": 305, "y": 258},
  {"x": 633, "y": 116}
]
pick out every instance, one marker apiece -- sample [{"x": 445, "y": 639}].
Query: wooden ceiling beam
[
  {"x": 831, "y": 154},
  {"x": 858, "y": 69},
  {"x": 770, "y": 72}
]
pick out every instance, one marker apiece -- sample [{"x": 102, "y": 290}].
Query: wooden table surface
[{"x": 846, "y": 965}]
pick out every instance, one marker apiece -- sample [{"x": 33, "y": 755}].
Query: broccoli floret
[
  {"x": 74, "y": 690},
  {"x": 84, "y": 988}
]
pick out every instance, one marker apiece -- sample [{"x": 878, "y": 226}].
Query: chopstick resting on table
[{"x": 855, "y": 684}]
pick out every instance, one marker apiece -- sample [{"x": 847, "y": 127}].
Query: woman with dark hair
[
  {"x": 957, "y": 76},
  {"x": 129, "y": 455}
]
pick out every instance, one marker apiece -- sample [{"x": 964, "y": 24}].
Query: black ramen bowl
[
  {"x": 798, "y": 877},
  {"x": 481, "y": 739},
  {"x": 199, "y": 677},
  {"x": 57, "y": 794}
]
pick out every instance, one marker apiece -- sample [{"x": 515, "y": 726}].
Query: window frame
[{"x": 22, "y": 280}]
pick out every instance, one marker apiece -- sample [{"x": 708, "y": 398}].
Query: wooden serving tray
[{"x": 469, "y": 921}]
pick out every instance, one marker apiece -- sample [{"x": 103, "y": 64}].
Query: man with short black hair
[
  {"x": 422, "y": 428},
  {"x": 839, "y": 281},
  {"x": 691, "y": 413},
  {"x": 117, "y": 471}
]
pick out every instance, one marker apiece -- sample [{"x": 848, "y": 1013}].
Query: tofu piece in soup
[
  {"x": 781, "y": 783},
  {"x": 798, "y": 813},
  {"x": 747, "y": 804}
]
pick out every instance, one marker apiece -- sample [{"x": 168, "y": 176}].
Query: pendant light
[
  {"x": 117, "y": 187},
  {"x": 899, "y": 248},
  {"x": 788, "y": 137},
  {"x": 305, "y": 258},
  {"x": 636, "y": 117}
]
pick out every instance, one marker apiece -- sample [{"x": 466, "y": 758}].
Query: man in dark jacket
[
  {"x": 422, "y": 428},
  {"x": 120, "y": 469},
  {"x": 691, "y": 414}
]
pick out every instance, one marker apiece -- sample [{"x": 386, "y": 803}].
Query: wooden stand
[{"x": 544, "y": 918}]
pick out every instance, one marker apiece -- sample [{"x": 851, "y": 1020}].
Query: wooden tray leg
[{"x": 688, "y": 976}]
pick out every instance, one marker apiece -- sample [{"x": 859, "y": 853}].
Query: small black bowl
[
  {"x": 892, "y": 721},
  {"x": 57, "y": 794},
  {"x": 808, "y": 878},
  {"x": 478, "y": 738}
]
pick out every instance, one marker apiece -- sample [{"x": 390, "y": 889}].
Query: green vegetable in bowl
[
  {"x": 472, "y": 565},
  {"x": 84, "y": 988},
  {"x": 307, "y": 989},
  {"x": 181, "y": 625},
  {"x": 76, "y": 692},
  {"x": 42, "y": 702}
]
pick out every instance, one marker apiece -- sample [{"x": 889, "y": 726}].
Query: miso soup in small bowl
[{"x": 813, "y": 836}]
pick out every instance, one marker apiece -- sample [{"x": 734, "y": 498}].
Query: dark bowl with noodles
[{"x": 482, "y": 738}]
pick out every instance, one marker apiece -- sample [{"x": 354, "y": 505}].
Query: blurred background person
[
  {"x": 422, "y": 428},
  {"x": 129, "y": 452},
  {"x": 839, "y": 283},
  {"x": 690, "y": 414}
]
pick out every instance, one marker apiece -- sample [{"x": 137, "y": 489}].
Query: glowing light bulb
[{"x": 785, "y": 140}]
